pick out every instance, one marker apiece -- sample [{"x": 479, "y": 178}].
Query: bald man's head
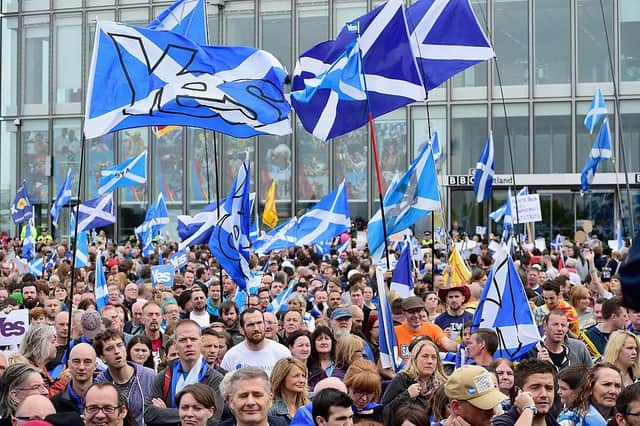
[
  {"x": 330, "y": 383},
  {"x": 35, "y": 406},
  {"x": 82, "y": 363}
]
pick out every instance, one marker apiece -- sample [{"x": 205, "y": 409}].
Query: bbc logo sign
[{"x": 459, "y": 180}]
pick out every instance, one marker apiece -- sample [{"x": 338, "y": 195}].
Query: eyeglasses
[
  {"x": 41, "y": 386},
  {"x": 107, "y": 409},
  {"x": 360, "y": 395}
]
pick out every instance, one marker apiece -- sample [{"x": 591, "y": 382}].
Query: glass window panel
[
  {"x": 312, "y": 171},
  {"x": 9, "y": 6},
  {"x": 391, "y": 138},
  {"x": 313, "y": 23},
  {"x": 351, "y": 152},
  {"x": 213, "y": 24},
  {"x": 169, "y": 168},
  {"x": 132, "y": 143},
  {"x": 584, "y": 140},
  {"x": 200, "y": 155},
  {"x": 593, "y": 63},
  {"x": 275, "y": 163},
  {"x": 630, "y": 123},
  {"x": 100, "y": 155},
  {"x": 358, "y": 211},
  {"x": 66, "y": 151},
  {"x": 467, "y": 212},
  {"x": 68, "y": 63},
  {"x": 476, "y": 76},
  {"x": 552, "y": 138},
  {"x": 597, "y": 206},
  {"x": 28, "y": 5},
  {"x": 234, "y": 152},
  {"x": 9, "y": 69},
  {"x": 132, "y": 1},
  {"x": 35, "y": 160},
  {"x": 345, "y": 11},
  {"x": 518, "y": 121},
  {"x": 629, "y": 47},
  {"x": 468, "y": 135},
  {"x": 135, "y": 16},
  {"x": 239, "y": 27},
  {"x": 438, "y": 117},
  {"x": 93, "y": 3},
  {"x": 66, "y": 4},
  {"x": 511, "y": 39},
  {"x": 552, "y": 40},
  {"x": 275, "y": 24},
  {"x": 558, "y": 215},
  {"x": 8, "y": 172},
  {"x": 103, "y": 15},
  {"x": 36, "y": 60}
]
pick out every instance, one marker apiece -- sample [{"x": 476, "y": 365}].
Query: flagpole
[
  {"x": 217, "y": 175},
  {"x": 616, "y": 113},
  {"x": 206, "y": 160},
  {"x": 75, "y": 243}
]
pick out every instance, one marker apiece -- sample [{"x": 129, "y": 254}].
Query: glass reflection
[
  {"x": 313, "y": 23},
  {"x": 200, "y": 192},
  {"x": 552, "y": 39},
  {"x": 35, "y": 160},
  {"x": 511, "y": 39},
  {"x": 275, "y": 162},
  {"x": 518, "y": 119},
  {"x": 312, "y": 177},
  {"x": 468, "y": 135},
  {"x": 100, "y": 155},
  {"x": 629, "y": 15},
  {"x": 132, "y": 143},
  {"x": 593, "y": 63},
  {"x": 169, "y": 168},
  {"x": 234, "y": 153},
  {"x": 66, "y": 152},
  {"x": 552, "y": 138},
  {"x": 36, "y": 60},
  {"x": 351, "y": 162},
  {"x": 391, "y": 137}
]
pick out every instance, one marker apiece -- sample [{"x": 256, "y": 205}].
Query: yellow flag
[
  {"x": 460, "y": 272},
  {"x": 270, "y": 214}
]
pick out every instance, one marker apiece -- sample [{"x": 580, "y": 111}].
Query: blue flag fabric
[
  {"x": 498, "y": 213},
  {"x": 446, "y": 39},
  {"x": 389, "y": 357},
  {"x": 63, "y": 198},
  {"x": 21, "y": 210},
  {"x": 504, "y": 307},
  {"x": 597, "y": 110},
  {"x": 326, "y": 91},
  {"x": 600, "y": 151},
  {"x": 186, "y": 17},
  {"x": 36, "y": 266},
  {"x": 82, "y": 250},
  {"x": 197, "y": 229},
  {"x": 485, "y": 169},
  {"x": 435, "y": 146},
  {"x": 51, "y": 260},
  {"x": 402, "y": 278},
  {"x": 328, "y": 218},
  {"x": 179, "y": 259},
  {"x": 163, "y": 274},
  {"x": 160, "y": 78},
  {"x": 132, "y": 171},
  {"x": 100, "y": 289},
  {"x": 156, "y": 218},
  {"x": 96, "y": 213},
  {"x": 619, "y": 241},
  {"x": 280, "y": 302},
  {"x": 413, "y": 196},
  {"x": 29, "y": 242},
  {"x": 229, "y": 242},
  {"x": 280, "y": 237}
]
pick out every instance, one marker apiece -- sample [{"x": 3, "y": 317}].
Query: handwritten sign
[{"x": 528, "y": 209}]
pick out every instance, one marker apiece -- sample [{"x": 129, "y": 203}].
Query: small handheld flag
[
  {"x": 132, "y": 171},
  {"x": 485, "y": 169},
  {"x": 597, "y": 110},
  {"x": 600, "y": 152},
  {"x": 102, "y": 295},
  {"x": 389, "y": 357},
  {"x": 21, "y": 210},
  {"x": 402, "y": 279},
  {"x": 63, "y": 198},
  {"x": 96, "y": 213}
]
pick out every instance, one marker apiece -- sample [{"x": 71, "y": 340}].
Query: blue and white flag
[
  {"x": 446, "y": 38},
  {"x": 156, "y": 218},
  {"x": 600, "y": 151},
  {"x": 36, "y": 266},
  {"x": 436, "y": 149},
  {"x": 280, "y": 302},
  {"x": 100, "y": 289},
  {"x": 280, "y": 237},
  {"x": 161, "y": 78},
  {"x": 327, "y": 93},
  {"x": 82, "y": 250},
  {"x": 485, "y": 169},
  {"x": 597, "y": 110},
  {"x": 21, "y": 210},
  {"x": 507, "y": 218},
  {"x": 132, "y": 171},
  {"x": 51, "y": 260},
  {"x": 179, "y": 259},
  {"x": 229, "y": 242},
  {"x": 29, "y": 241},
  {"x": 619, "y": 240},
  {"x": 63, "y": 198},
  {"x": 328, "y": 218},
  {"x": 498, "y": 213},
  {"x": 163, "y": 274},
  {"x": 412, "y": 197},
  {"x": 96, "y": 213},
  {"x": 504, "y": 308},
  {"x": 197, "y": 229},
  {"x": 185, "y": 17},
  {"x": 402, "y": 278},
  {"x": 389, "y": 357}
]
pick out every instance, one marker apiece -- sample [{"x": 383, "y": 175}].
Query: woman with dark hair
[
  {"x": 569, "y": 380},
  {"x": 371, "y": 332},
  {"x": 321, "y": 363},
  {"x": 18, "y": 382},
  {"x": 139, "y": 350},
  {"x": 299, "y": 343},
  {"x": 196, "y": 404},
  {"x": 411, "y": 413},
  {"x": 506, "y": 379}
]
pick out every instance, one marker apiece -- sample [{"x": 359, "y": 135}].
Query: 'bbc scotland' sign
[
  {"x": 13, "y": 327},
  {"x": 162, "y": 274}
]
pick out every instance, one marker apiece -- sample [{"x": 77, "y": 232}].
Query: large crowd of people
[{"x": 205, "y": 351}]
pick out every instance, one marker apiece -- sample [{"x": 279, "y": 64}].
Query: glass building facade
[{"x": 551, "y": 57}]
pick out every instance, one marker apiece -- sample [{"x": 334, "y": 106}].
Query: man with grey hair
[{"x": 135, "y": 326}]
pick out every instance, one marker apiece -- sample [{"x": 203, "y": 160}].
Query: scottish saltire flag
[
  {"x": 51, "y": 260},
  {"x": 412, "y": 197},
  {"x": 159, "y": 78},
  {"x": 278, "y": 238},
  {"x": 600, "y": 151},
  {"x": 197, "y": 229},
  {"x": 597, "y": 110},
  {"x": 280, "y": 301},
  {"x": 507, "y": 217},
  {"x": 132, "y": 171},
  {"x": 255, "y": 230},
  {"x": 485, "y": 169},
  {"x": 96, "y": 213},
  {"x": 389, "y": 357},
  {"x": 100, "y": 289},
  {"x": 229, "y": 242},
  {"x": 327, "y": 93},
  {"x": 36, "y": 266},
  {"x": 436, "y": 149},
  {"x": 29, "y": 241},
  {"x": 446, "y": 38},
  {"x": 328, "y": 218},
  {"x": 21, "y": 210},
  {"x": 402, "y": 278},
  {"x": 185, "y": 17},
  {"x": 498, "y": 213},
  {"x": 156, "y": 218},
  {"x": 82, "y": 250},
  {"x": 504, "y": 307},
  {"x": 63, "y": 198}
]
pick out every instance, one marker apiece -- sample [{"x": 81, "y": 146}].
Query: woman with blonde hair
[
  {"x": 349, "y": 348},
  {"x": 579, "y": 297},
  {"x": 622, "y": 351},
  {"x": 364, "y": 386},
  {"x": 289, "y": 388}
]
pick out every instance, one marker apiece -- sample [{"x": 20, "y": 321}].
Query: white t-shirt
[
  {"x": 202, "y": 320},
  {"x": 240, "y": 356}
]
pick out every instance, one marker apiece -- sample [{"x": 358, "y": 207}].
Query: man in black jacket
[{"x": 82, "y": 365}]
